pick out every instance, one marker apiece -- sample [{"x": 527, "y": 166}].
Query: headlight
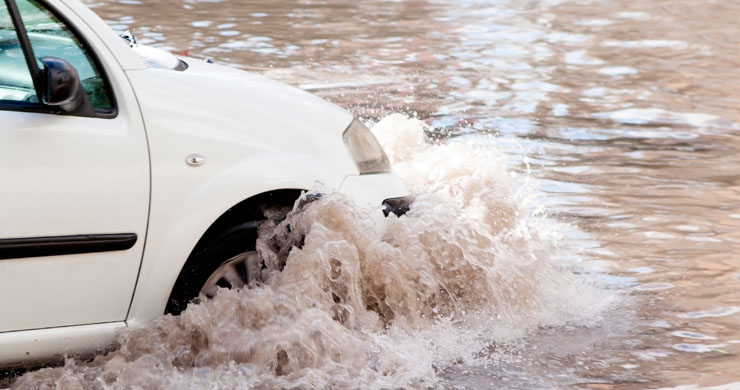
[{"x": 365, "y": 149}]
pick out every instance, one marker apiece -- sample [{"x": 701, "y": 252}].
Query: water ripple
[{"x": 720, "y": 312}]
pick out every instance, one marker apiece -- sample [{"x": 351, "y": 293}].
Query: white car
[{"x": 133, "y": 180}]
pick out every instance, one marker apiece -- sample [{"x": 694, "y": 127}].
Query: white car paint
[{"x": 128, "y": 174}]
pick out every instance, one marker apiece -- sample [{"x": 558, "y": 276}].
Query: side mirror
[{"x": 62, "y": 88}]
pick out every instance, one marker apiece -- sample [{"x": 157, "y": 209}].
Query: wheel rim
[{"x": 236, "y": 272}]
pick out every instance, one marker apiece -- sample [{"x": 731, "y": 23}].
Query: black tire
[{"x": 204, "y": 261}]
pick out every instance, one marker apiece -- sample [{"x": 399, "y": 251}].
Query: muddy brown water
[{"x": 581, "y": 156}]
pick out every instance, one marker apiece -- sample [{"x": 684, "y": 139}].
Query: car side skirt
[{"x": 32, "y": 347}]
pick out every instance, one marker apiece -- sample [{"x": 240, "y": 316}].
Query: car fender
[{"x": 173, "y": 235}]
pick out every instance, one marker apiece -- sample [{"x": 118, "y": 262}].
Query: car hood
[
  {"x": 269, "y": 96},
  {"x": 222, "y": 87},
  {"x": 238, "y": 114}
]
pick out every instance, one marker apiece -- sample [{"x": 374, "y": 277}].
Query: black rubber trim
[
  {"x": 397, "y": 206},
  {"x": 19, "y": 248}
]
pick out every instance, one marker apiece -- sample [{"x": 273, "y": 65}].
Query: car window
[
  {"x": 16, "y": 83},
  {"x": 51, "y": 38}
]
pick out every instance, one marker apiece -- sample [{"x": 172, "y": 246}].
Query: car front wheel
[{"x": 228, "y": 261}]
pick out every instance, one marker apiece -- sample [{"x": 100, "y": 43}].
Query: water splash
[{"x": 468, "y": 268}]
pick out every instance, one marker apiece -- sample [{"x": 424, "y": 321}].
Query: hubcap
[{"x": 236, "y": 272}]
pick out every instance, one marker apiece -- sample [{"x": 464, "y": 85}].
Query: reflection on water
[{"x": 626, "y": 114}]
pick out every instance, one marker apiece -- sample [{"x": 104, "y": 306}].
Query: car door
[{"x": 74, "y": 189}]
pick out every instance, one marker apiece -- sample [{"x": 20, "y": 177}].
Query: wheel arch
[{"x": 248, "y": 210}]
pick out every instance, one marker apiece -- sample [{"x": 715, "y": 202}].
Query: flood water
[{"x": 579, "y": 199}]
